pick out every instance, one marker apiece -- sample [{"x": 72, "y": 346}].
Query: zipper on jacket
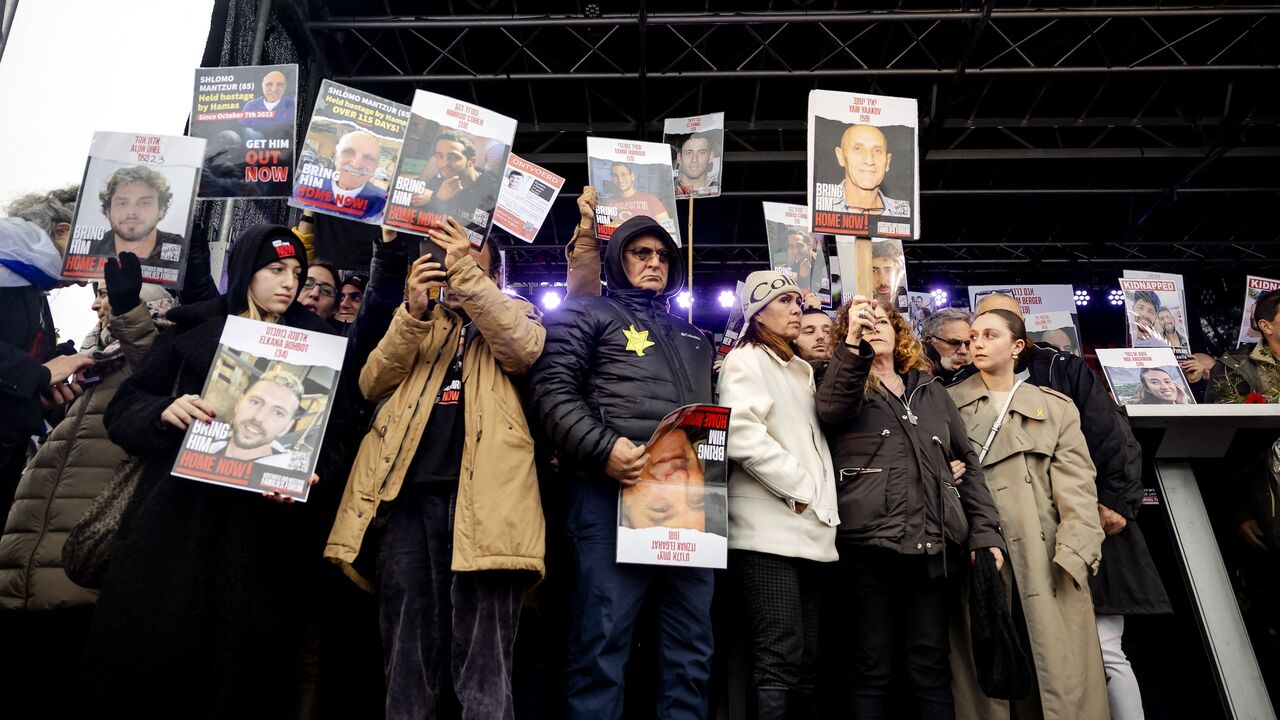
[{"x": 884, "y": 434}]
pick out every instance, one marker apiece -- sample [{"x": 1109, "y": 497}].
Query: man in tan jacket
[{"x": 441, "y": 516}]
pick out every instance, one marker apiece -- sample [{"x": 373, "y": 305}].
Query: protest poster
[
  {"x": 632, "y": 178},
  {"x": 732, "y": 326},
  {"x": 1038, "y": 300},
  {"x": 888, "y": 269},
  {"x": 272, "y": 388},
  {"x": 919, "y": 308},
  {"x": 1054, "y": 328},
  {"x": 698, "y": 144},
  {"x": 864, "y": 169},
  {"x": 247, "y": 117},
  {"x": 527, "y": 193},
  {"x": 796, "y": 252},
  {"x": 137, "y": 195},
  {"x": 349, "y": 154},
  {"x": 454, "y": 157},
  {"x": 677, "y": 513},
  {"x": 1156, "y": 312},
  {"x": 1145, "y": 376},
  {"x": 1253, "y": 289}
]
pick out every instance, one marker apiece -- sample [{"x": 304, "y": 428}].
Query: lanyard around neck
[{"x": 995, "y": 427}]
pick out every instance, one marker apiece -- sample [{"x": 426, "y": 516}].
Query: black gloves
[{"x": 124, "y": 282}]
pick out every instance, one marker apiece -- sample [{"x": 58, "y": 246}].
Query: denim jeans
[
  {"x": 443, "y": 632},
  {"x": 606, "y": 601}
]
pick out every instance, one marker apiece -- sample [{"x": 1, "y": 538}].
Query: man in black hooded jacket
[{"x": 611, "y": 369}]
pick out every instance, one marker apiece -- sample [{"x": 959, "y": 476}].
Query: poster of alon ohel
[
  {"x": 272, "y": 389},
  {"x": 1145, "y": 376},
  {"x": 698, "y": 143},
  {"x": 1254, "y": 288},
  {"x": 632, "y": 178},
  {"x": 677, "y": 513},
  {"x": 453, "y": 164},
  {"x": 137, "y": 195},
  {"x": 247, "y": 116},
  {"x": 795, "y": 251},
  {"x": 864, "y": 169},
  {"x": 349, "y": 154}
]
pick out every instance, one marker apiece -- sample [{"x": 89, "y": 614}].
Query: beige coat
[
  {"x": 1039, "y": 471},
  {"x": 498, "y": 522}
]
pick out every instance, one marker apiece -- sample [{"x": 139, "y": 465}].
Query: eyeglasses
[
  {"x": 326, "y": 290},
  {"x": 953, "y": 344},
  {"x": 644, "y": 253}
]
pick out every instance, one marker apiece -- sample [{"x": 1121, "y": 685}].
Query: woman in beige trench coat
[{"x": 1038, "y": 468}]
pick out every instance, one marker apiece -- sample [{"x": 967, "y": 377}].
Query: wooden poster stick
[
  {"x": 862, "y": 284},
  {"x": 689, "y": 239}
]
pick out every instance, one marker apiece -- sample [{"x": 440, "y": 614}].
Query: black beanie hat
[{"x": 255, "y": 248}]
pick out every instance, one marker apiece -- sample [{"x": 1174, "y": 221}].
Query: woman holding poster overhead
[
  {"x": 914, "y": 510},
  {"x": 1037, "y": 465},
  {"x": 782, "y": 502},
  {"x": 207, "y": 586}
]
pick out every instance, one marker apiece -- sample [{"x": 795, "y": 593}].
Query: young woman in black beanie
[{"x": 203, "y": 601}]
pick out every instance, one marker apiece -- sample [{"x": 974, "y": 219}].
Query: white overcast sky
[{"x": 75, "y": 66}]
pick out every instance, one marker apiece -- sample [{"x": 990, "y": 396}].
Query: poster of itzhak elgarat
[
  {"x": 796, "y": 252},
  {"x": 453, "y": 164},
  {"x": 864, "y": 169},
  {"x": 349, "y": 154},
  {"x": 271, "y": 388},
  {"x": 137, "y": 196},
  {"x": 698, "y": 143},
  {"x": 1156, "y": 307},
  {"x": 247, "y": 116},
  {"x": 632, "y": 178},
  {"x": 677, "y": 513}
]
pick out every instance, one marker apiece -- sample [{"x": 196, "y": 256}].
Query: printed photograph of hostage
[
  {"x": 671, "y": 491},
  {"x": 273, "y": 109},
  {"x": 889, "y": 273},
  {"x": 457, "y": 185},
  {"x": 697, "y": 164},
  {"x": 134, "y": 202},
  {"x": 266, "y": 411},
  {"x": 863, "y": 166},
  {"x": 629, "y": 200},
  {"x": 1163, "y": 386}
]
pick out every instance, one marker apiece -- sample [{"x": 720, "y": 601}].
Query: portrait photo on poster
[
  {"x": 632, "y": 178},
  {"x": 453, "y": 165},
  {"x": 1255, "y": 287},
  {"x": 795, "y": 251},
  {"x": 248, "y": 115},
  {"x": 1145, "y": 376},
  {"x": 270, "y": 412},
  {"x": 527, "y": 194},
  {"x": 677, "y": 513},
  {"x": 888, "y": 270},
  {"x": 1156, "y": 312},
  {"x": 349, "y": 154},
  {"x": 137, "y": 195},
  {"x": 698, "y": 147},
  {"x": 863, "y": 165}
]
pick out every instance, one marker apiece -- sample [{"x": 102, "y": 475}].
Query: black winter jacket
[
  {"x": 614, "y": 366},
  {"x": 893, "y": 475},
  {"x": 193, "y": 601}
]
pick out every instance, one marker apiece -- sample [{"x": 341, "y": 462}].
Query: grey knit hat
[{"x": 761, "y": 287}]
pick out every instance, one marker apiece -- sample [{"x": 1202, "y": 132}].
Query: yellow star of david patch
[{"x": 637, "y": 340}]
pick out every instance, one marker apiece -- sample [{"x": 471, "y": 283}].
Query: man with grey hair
[
  {"x": 946, "y": 342},
  {"x": 50, "y": 211}
]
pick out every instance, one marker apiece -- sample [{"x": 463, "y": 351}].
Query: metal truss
[{"x": 1157, "y": 122}]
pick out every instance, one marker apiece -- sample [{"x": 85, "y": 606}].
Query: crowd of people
[{"x": 950, "y": 517}]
